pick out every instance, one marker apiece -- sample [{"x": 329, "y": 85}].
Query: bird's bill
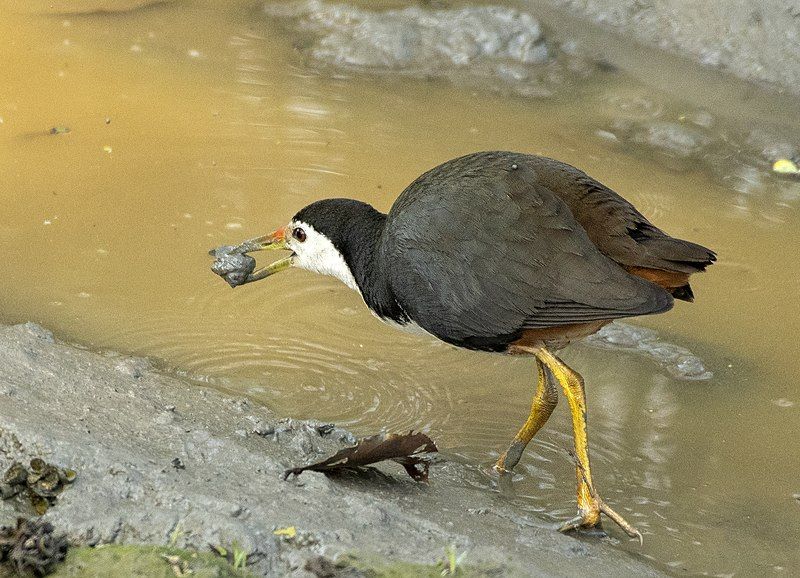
[
  {"x": 225, "y": 267},
  {"x": 274, "y": 240}
]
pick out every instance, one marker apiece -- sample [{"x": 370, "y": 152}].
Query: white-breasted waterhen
[{"x": 504, "y": 252}]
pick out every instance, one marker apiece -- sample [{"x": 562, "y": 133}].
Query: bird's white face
[{"x": 313, "y": 251}]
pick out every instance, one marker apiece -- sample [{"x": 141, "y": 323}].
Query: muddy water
[{"x": 191, "y": 125}]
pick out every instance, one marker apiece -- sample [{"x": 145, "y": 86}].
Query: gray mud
[
  {"x": 164, "y": 461},
  {"x": 416, "y": 38},
  {"x": 757, "y": 41},
  {"x": 494, "y": 47}
]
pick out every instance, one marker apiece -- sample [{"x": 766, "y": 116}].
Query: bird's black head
[
  {"x": 336, "y": 237},
  {"x": 344, "y": 222}
]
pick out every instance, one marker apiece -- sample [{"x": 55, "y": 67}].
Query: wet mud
[
  {"x": 229, "y": 486},
  {"x": 759, "y": 42}
]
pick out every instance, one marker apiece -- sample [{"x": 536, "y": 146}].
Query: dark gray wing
[
  {"x": 614, "y": 225},
  {"x": 477, "y": 253}
]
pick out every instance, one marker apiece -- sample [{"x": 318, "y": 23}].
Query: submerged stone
[
  {"x": 678, "y": 361},
  {"x": 757, "y": 164},
  {"x": 673, "y": 138}
]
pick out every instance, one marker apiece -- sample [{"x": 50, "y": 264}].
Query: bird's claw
[
  {"x": 590, "y": 518},
  {"x": 579, "y": 523}
]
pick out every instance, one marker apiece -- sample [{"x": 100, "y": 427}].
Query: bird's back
[
  {"x": 495, "y": 251},
  {"x": 614, "y": 225}
]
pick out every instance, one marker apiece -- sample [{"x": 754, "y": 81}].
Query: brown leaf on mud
[{"x": 408, "y": 450}]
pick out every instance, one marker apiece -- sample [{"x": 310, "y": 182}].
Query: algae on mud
[
  {"x": 115, "y": 561},
  {"x": 118, "y": 561}
]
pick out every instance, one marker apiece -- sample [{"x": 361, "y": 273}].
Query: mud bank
[
  {"x": 167, "y": 462},
  {"x": 754, "y": 41}
]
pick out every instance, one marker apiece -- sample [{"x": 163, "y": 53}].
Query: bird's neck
[{"x": 361, "y": 252}]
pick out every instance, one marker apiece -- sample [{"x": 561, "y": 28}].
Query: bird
[{"x": 502, "y": 252}]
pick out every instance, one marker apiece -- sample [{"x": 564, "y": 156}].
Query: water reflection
[{"x": 228, "y": 145}]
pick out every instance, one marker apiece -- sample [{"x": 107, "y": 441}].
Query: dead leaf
[
  {"x": 785, "y": 167},
  {"x": 289, "y": 532},
  {"x": 405, "y": 449}
]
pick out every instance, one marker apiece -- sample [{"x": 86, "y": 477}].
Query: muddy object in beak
[{"x": 232, "y": 264}]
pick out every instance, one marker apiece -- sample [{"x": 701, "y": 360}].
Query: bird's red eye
[{"x": 299, "y": 234}]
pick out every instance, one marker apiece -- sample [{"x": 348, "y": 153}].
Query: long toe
[
  {"x": 580, "y": 524},
  {"x": 589, "y": 518}
]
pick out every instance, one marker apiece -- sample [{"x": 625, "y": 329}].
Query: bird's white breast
[{"x": 318, "y": 254}]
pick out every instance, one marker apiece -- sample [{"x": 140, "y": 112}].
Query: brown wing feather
[
  {"x": 615, "y": 226},
  {"x": 623, "y": 233}
]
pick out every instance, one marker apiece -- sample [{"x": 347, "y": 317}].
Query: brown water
[{"x": 193, "y": 125}]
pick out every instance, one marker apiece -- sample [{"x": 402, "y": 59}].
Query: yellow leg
[
  {"x": 590, "y": 505},
  {"x": 544, "y": 401}
]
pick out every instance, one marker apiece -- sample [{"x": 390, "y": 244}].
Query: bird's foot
[
  {"x": 510, "y": 458},
  {"x": 589, "y": 517}
]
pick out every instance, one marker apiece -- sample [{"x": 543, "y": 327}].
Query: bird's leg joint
[{"x": 544, "y": 401}]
